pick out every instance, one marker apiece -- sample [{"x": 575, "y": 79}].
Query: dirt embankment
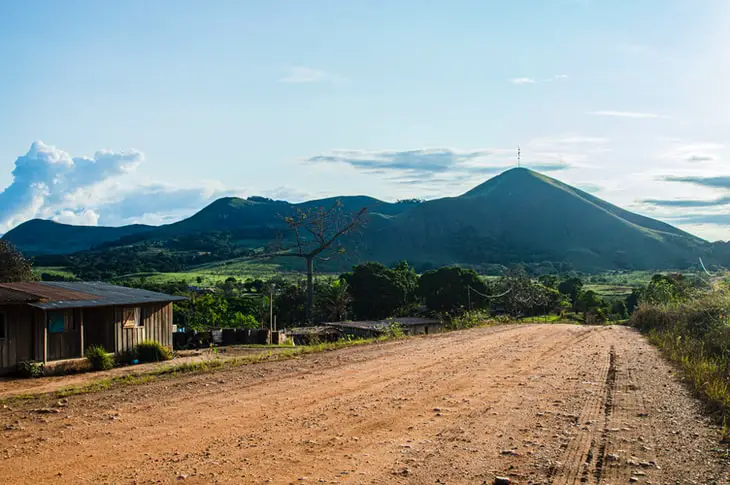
[{"x": 540, "y": 404}]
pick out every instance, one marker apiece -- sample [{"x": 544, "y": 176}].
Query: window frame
[
  {"x": 65, "y": 321},
  {"x": 137, "y": 317}
]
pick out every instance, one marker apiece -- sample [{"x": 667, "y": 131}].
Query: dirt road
[{"x": 545, "y": 404}]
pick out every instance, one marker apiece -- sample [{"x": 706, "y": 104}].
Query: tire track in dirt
[{"x": 577, "y": 462}]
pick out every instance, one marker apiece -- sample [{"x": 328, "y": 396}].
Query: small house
[
  {"x": 53, "y": 321},
  {"x": 376, "y": 328}
]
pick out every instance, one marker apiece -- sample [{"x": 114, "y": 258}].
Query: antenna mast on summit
[{"x": 519, "y": 161}]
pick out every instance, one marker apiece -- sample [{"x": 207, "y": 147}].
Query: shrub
[
  {"x": 649, "y": 317},
  {"x": 30, "y": 368},
  {"x": 151, "y": 351},
  {"x": 696, "y": 336},
  {"x": 99, "y": 358}
]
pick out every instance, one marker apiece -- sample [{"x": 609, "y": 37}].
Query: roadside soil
[
  {"x": 540, "y": 404},
  {"x": 12, "y": 386}
]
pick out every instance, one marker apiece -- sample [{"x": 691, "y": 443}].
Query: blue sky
[{"x": 146, "y": 111}]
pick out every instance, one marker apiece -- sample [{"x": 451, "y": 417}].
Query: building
[
  {"x": 52, "y": 321},
  {"x": 376, "y": 328}
]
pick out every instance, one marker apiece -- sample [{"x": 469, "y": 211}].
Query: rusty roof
[
  {"x": 12, "y": 296},
  {"x": 50, "y": 295},
  {"x": 43, "y": 291}
]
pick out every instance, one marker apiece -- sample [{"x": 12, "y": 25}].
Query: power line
[
  {"x": 488, "y": 296},
  {"x": 469, "y": 289}
]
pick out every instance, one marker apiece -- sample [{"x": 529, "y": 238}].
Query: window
[
  {"x": 56, "y": 322},
  {"x": 130, "y": 318},
  {"x": 3, "y": 326}
]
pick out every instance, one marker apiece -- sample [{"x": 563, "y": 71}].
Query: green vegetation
[
  {"x": 30, "y": 368},
  {"x": 379, "y": 292},
  {"x": 13, "y": 266},
  {"x": 99, "y": 358},
  {"x": 518, "y": 217},
  {"x": 152, "y": 351},
  {"x": 690, "y": 325}
]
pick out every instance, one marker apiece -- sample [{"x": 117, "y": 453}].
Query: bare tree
[{"x": 315, "y": 231}]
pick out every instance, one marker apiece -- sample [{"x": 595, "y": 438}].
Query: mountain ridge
[{"x": 517, "y": 216}]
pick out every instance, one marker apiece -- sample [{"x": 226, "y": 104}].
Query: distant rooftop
[
  {"x": 49, "y": 295},
  {"x": 384, "y": 324}
]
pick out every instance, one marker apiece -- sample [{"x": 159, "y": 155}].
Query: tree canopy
[
  {"x": 13, "y": 266},
  {"x": 450, "y": 288}
]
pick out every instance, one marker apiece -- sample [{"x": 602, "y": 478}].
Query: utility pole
[
  {"x": 468, "y": 296},
  {"x": 271, "y": 308}
]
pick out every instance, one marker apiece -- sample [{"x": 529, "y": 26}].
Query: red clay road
[{"x": 540, "y": 404}]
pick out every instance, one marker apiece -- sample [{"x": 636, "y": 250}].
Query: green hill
[
  {"x": 40, "y": 236},
  {"x": 517, "y": 216},
  {"x": 523, "y": 216}
]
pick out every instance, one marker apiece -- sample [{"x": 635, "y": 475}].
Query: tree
[
  {"x": 315, "y": 231},
  {"x": 549, "y": 280},
  {"x": 591, "y": 305},
  {"x": 523, "y": 296},
  {"x": 13, "y": 266},
  {"x": 573, "y": 288},
  {"x": 333, "y": 300},
  {"x": 449, "y": 289},
  {"x": 379, "y": 292}
]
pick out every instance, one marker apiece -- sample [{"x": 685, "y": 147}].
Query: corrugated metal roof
[
  {"x": 103, "y": 294},
  {"x": 8, "y": 295},
  {"x": 50, "y": 295},
  {"x": 42, "y": 291},
  {"x": 384, "y": 324}
]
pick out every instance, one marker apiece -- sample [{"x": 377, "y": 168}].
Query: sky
[{"x": 121, "y": 112}]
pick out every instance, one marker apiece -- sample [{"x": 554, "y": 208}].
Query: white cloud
[
  {"x": 301, "y": 74},
  {"x": 522, "y": 80},
  {"x": 86, "y": 217},
  {"x": 694, "y": 152},
  {"x": 437, "y": 170},
  {"x": 45, "y": 177},
  {"x": 530, "y": 80},
  {"x": 627, "y": 114}
]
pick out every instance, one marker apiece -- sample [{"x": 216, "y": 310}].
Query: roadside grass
[
  {"x": 707, "y": 375},
  {"x": 695, "y": 337},
  {"x": 192, "y": 368}
]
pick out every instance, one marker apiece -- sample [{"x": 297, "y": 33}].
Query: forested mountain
[{"x": 519, "y": 216}]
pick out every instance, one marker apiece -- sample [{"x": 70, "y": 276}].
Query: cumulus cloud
[
  {"x": 84, "y": 217},
  {"x": 301, "y": 74},
  {"x": 627, "y": 114},
  {"x": 45, "y": 177}
]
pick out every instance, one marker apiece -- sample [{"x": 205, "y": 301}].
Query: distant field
[
  {"x": 58, "y": 271},
  {"x": 610, "y": 284},
  {"x": 610, "y": 290}
]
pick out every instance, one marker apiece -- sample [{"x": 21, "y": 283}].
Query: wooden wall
[
  {"x": 99, "y": 327},
  {"x": 19, "y": 344},
  {"x": 156, "y": 324},
  {"x": 102, "y": 326}
]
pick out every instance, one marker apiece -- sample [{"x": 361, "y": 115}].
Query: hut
[
  {"x": 55, "y": 321},
  {"x": 376, "y": 328}
]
